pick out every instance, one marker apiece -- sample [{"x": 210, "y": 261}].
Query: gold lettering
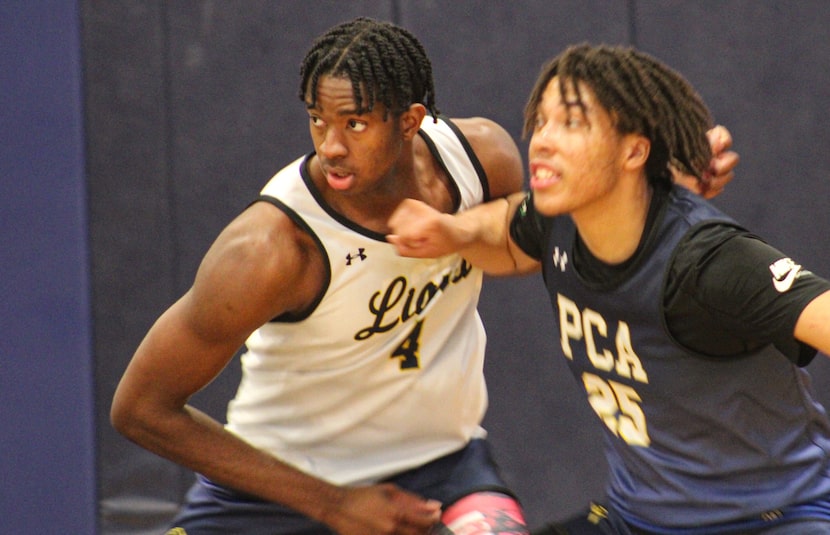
[
  {"x": 569, "y": 323},
  {"x": 591, "y": 318},
  {"x": 628, "y": 363},
  {"x": 589, "y": 324}
]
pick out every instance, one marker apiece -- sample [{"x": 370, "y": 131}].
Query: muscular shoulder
[
  {"x": 261, "y": 265},
  {"x": 497, "y": 153}
]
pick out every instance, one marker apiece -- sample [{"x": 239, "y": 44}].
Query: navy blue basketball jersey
[{"x": 691, "y": 440}]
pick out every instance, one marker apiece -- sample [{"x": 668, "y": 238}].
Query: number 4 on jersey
[{"x": 407, "y": 352}]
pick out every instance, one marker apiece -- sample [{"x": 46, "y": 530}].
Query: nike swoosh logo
[{"x": 782, "y": 285}]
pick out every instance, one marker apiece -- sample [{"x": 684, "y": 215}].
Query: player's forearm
[
  {"x": 479, "y": 234},
  {"x": 196, "y": 441},
  {"x": 488, "y": 245}
]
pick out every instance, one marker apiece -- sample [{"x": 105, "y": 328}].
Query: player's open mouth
[
  {"x": 542, "y": 177},
  {"x": 339, "y": 179}
]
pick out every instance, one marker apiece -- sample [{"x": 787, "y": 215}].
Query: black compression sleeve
[
  {"x": 721, "y": 299},
  {"x": 527, "y": 229}
]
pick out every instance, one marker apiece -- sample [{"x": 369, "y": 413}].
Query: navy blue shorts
[{"x": 212, "y": 509}]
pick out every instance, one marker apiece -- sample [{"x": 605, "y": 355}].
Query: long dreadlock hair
[
  {"x": 382, "y": 60},
  {"x": 643, "y": 96}
]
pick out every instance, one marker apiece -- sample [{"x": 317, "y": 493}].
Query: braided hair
[
  {"x": 382, "y": 60},
  {"x": 643, "y": 96}
]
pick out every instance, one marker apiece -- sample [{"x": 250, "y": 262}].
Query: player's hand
[
  {"x": 721, "y": 169},
  {"x": 383, "y": 510},
  {"x": 420, "y": 231}
]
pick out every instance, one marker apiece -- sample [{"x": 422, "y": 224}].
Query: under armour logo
[
  {"x": 359, "y": 254},
  {"x": 560, "y": 260}
]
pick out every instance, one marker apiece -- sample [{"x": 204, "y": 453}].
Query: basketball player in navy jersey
[
  {"x": 362, "y": 393},
  {"x": 688, "y": 334}
]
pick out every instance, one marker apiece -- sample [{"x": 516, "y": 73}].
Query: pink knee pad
[{"x": 484, "y": 513}]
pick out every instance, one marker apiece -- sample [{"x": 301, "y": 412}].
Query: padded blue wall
[{"x": 46, "y": 393}]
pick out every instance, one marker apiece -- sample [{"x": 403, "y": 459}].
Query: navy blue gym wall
[
  {"x": 47, "y": 444},
  {"x": 191, "y": 106}
]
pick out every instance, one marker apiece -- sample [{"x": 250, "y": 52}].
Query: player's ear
[
  {"x": 410, "y": 120},
  {"x": 636, "y": 151}
]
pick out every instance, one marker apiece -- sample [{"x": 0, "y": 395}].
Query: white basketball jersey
[{"x": 386, "y": 373}]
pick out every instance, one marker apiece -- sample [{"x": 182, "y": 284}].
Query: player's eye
[
  {"x": 357, "y": 126},
  {"x": 573, "y": 121}
]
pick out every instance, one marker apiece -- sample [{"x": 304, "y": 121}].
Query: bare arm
[
  {"x": 813, "y": 325},
  {"x": 480, "y": 235},
  {"x": 260, "y": 266}
]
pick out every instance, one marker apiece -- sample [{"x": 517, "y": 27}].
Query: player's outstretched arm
[{"x": 480, "y": 235}]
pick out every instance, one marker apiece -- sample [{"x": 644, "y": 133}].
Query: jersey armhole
[
  {"x": 482, "y": 175},
  {"x": 293, "y": 317}
]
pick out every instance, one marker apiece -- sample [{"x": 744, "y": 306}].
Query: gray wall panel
[
  {"x": 486, "y": 55},
  {"x": 131, "y": 228}
]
